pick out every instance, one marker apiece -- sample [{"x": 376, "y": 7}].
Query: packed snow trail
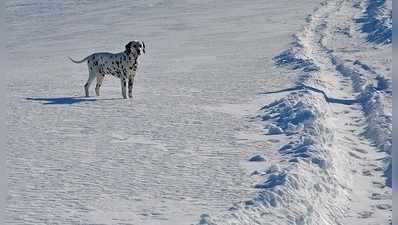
[
  {"x": 336, "y": 165},
  {"x": 172, "y": 152}
]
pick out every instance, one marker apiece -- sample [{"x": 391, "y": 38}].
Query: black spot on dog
[{"x": 128, "y": 48}]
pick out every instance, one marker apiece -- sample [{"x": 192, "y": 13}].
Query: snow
[
  {"x": 273, "y": 129},
  {"x": 256, "y": 158},
  {"x": 230, "y": 124},
  {"x": 335, "y": 169},
  {"x": 176, "y": 151}
]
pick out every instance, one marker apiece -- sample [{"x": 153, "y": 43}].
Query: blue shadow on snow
[
  {"x": 66, "y": 100},
  {"x": 377, "y": 27}
]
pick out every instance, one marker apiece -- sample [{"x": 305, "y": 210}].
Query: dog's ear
[
  {"x": 128, "y": 48},
  {"x": 143, "y": 46}
]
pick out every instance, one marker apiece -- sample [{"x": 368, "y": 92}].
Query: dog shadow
[{"x": 68, "y": 100}]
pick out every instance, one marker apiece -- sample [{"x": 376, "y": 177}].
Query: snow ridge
[
  {"x": 374, "y": 88},
  {"x": 313, "y": 182},
  {"x": 377, "y": 22}
]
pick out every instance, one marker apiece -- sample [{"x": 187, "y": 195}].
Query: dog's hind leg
[
  {"x": 91, "y": 77},
  {"x": 100, "y": 78},
  {"x": 123, "y": 83}
]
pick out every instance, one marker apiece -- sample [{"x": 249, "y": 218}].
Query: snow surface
[
  {"x": 335, "y": 167},
  {"x": 229, "y": 123},
  {"x": 165, "y": 157}
]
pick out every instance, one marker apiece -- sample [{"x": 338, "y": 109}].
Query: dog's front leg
[
  {"x": 123, "y": 83},
  {"x": 130, "y": 84}
]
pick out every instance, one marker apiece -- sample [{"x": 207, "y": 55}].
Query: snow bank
[
  {"x": 373, "y": 85},
  {"x": 308, "y": 184},
  {"x": 294, "y": 59},
  {"x": 379, "y": 127},
  {"x": 299, "y": 113},
  {"x": 373, "y": 94},
  {"x": 377, "y": 21},
  {"x": 306, "y": 175}
]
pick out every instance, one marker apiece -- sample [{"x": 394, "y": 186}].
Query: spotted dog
[{"x": 122, "y": 65}]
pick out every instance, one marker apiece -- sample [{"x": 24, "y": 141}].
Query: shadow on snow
[
  {"x": 327, "y": 98},
  {"x": 375, "y": 24},
  {"x": 67, "y": 100}
]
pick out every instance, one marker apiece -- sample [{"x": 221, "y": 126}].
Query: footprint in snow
[
  {"x": 354, "y": 155},
  {"x": 365, "y": 214},
  {"x": 360, "y": 150},
  {"x": 378, "y": 184},
  {"x": 118, "y": 137},
  {"x": 384, "y": 206},
  {"x": 273, "y": 140},
  {"x": 367, "y": 173},
  {"x": 378, "y": 196}
]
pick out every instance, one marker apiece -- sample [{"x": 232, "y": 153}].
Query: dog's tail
[{"x": 78, "y": 61}]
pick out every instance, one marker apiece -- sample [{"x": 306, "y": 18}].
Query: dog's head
[{"x": 135, "y": 47}]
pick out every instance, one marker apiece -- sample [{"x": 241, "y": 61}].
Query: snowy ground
[
  {"x": 206, "y": 101},
  {"x": 174, "y": 151},
  {"x": 334, "y": 165}
]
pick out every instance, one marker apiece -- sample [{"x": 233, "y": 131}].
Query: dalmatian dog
[{"x": 122, "y": 65}]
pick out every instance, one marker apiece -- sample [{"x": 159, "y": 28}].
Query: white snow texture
[{"x": 244, "y": 113}]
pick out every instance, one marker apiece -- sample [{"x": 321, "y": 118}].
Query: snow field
[
  {"x": 188, "y": 144},
  {"x": 164, "y": 157}
]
